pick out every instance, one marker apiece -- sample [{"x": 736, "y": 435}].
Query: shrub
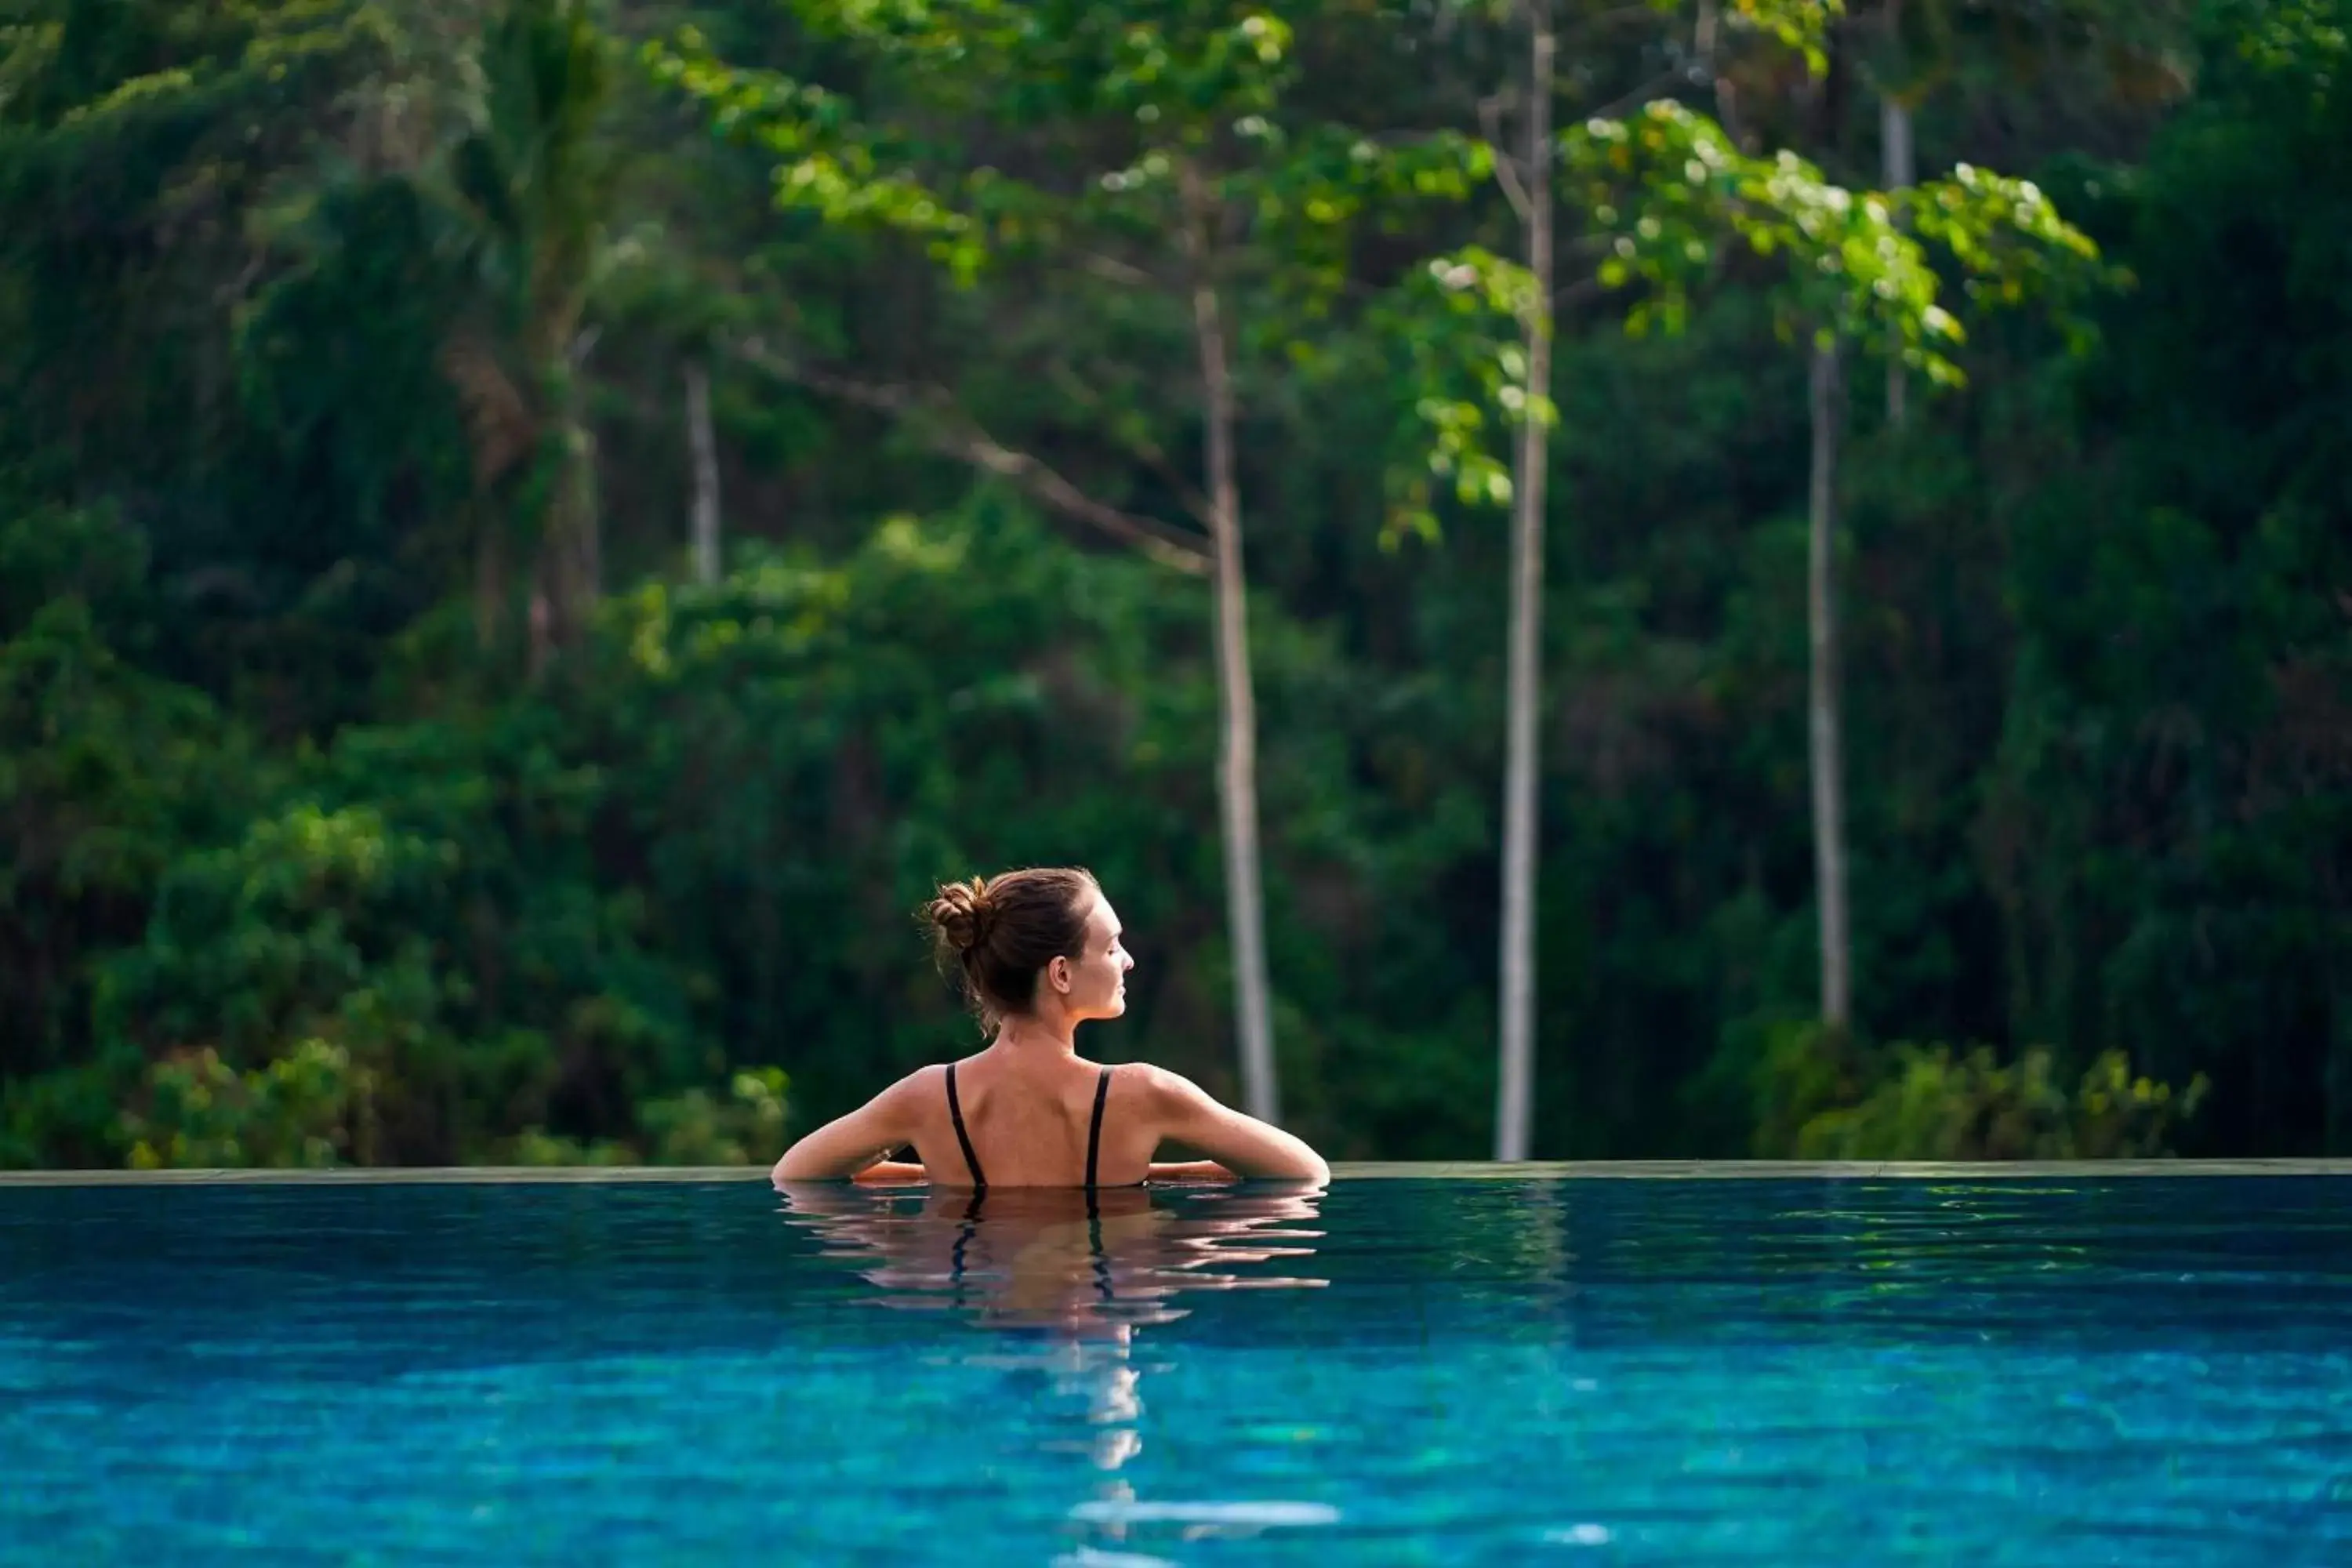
[{"x": 1822, "y": 1099}]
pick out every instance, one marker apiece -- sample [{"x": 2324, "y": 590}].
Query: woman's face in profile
[{"x": 1097, "y": 975}]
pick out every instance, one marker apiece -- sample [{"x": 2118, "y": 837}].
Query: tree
[
  {"x": 2190, "y": 557},
  {"x": 1126, "y": 128},
  {"x": 1898, "y": 165},
  {"x": 1825, "y": 411},
  {"x": 1530, "y": 186},
  {"x": 528, "y": 186},
  {"x": 2123, "y": 49},
  {"x": 1855, "y": 269},
  {"x": 1528, "y": 182},
  {"x": 1801, "y": 26},
  {"x": 1808, "y": 25}
]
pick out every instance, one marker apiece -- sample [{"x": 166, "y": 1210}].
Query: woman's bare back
[
  {"x": 1028, "y": 1117},
  {"x": 1032, "y": 1124}
]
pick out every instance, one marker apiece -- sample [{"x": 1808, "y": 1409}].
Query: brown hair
[{"x": 1001, "y": 931}]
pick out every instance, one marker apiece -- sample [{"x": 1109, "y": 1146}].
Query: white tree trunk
[
  {"x": 1828, "y": 778},
  {"x": 1237, "y": 701},
  {"x": 1898, "y": 169},
  {"x": 704, "y": 447},
  {"x": 1514, "y": 1094}
]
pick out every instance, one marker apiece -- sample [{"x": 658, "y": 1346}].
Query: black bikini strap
[
  {"x": 965, "y": 1231},
  {"x": 1094, "y": 1131},
  {"x": 955, "y": 1114}
]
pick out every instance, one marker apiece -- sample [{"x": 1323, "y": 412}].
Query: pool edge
[{"x": 1383, "y": 1170}]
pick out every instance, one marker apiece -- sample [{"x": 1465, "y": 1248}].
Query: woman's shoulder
[
  {"x": 1157, "y": 1086},
  {"x": 925, "y": 1080}
]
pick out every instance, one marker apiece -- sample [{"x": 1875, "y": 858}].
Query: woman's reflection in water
[{"x": 1064, "y": 1277}]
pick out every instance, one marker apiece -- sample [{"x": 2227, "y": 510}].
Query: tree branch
[
  {"x": 1116, "y": 271},
  {"x": 956, "y": 437},
  {"x": 1142, "y": 448},
  {"x": 1639, "y": 96},
  {"x": 1506, "y": 169}
]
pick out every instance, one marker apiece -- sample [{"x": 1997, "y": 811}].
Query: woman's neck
[{"x": 1038, "y": 1036}]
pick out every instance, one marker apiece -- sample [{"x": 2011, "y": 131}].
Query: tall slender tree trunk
[
  {"x": 704, "y": 447},
  {"x": 500, "y": 433},
  {"x": 1707, "y": 42},
  {"x": 1898, "y": 169},
  {"x": 1828, "y": 403},
  {"x": 1514, "y": 1094},
  {"x": 1237, "y": 701},
  {"x": 566, "y": 575}
]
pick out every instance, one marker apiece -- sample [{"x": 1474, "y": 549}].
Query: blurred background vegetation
[{"x": 527, "y": 541}]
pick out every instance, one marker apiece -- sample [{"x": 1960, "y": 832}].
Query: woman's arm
[
  {"x": 1242, "y": 1145},
  {"x": 1189, "y": 1171},
  {"x": 851, "y": 1145},
  {"x": 884, "y": 1173}
]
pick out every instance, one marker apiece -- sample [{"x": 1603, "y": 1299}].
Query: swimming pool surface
[{"x": 2146, "y": 1371}]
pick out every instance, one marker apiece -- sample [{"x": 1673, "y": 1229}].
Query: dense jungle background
[{"x": 533, "y": 532}]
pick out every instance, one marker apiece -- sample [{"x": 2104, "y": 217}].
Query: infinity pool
[{"x": 2143, "y": 1371}]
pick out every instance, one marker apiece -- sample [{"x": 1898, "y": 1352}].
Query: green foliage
[
  {"x": 1447, "y": 324},
  {"x": 107, "y": 772},
  {"x": 1907, "y": 1101},
  {"x": 698, "y": 1128},
  {"x": 1156, "y": 135},
  {"x": 1670, "y": 185},
  {"x": 309, "y": 1108},
  {"x": 2182, "y": 669},
  {"x": 69, "y": 1117},
  {"x": 409, "y": 902},
  {"x": 315, "y": 317},
  {"x": 313, "y": 1107},
  {"x": 1802, "y": 26}
]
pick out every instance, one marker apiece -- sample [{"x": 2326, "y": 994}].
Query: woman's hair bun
[
  {"x": 995, "y": 935},
  {"x": 963, "y": 914}
]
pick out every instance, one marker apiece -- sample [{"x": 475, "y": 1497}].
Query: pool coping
[{"x": 1375, "y": 1170}]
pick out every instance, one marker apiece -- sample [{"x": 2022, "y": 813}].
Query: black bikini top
[{"x": 971, "y": 1160}]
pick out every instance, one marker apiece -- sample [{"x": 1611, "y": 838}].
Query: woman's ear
[{"x": 1057, "y": 971}]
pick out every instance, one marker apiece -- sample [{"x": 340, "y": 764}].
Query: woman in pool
[{"x": 1038, "y": 953}]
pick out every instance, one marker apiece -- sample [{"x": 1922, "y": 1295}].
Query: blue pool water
[{"x": 2046, "y": 1373}]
